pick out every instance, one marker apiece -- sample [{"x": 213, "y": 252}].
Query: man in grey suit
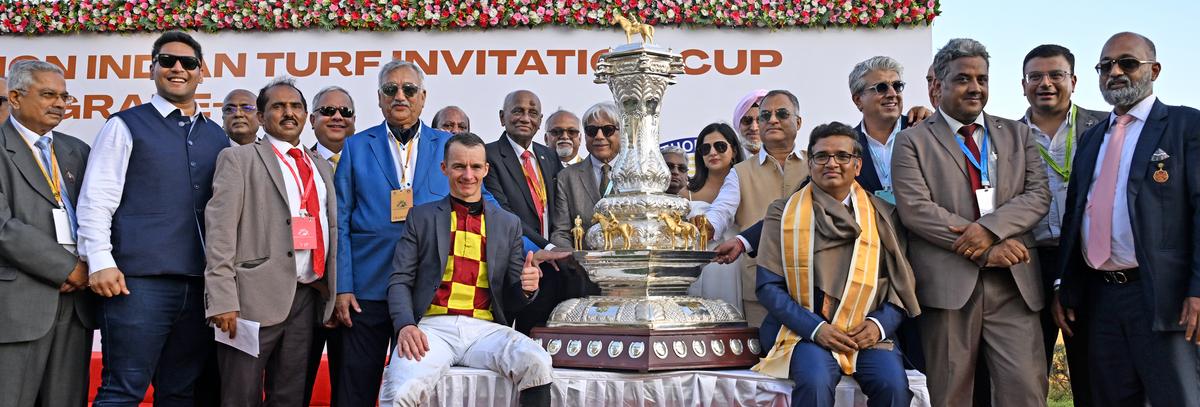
[
  {"x": 269, "y": 252},
  {"x": 45, "y": 308},
  {"x": 453, "y": 307},
  {"x": 581, "y": 185},
  {"x": 970, "y": 187}
]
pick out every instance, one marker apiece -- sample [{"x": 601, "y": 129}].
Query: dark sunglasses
[
  {"x": 608, "y": 130},
  {"x": 168, "y": 61},
  {"x": 782, "y": 113},
  {"x": 329, "y": 111},
  {"x": 1127, "y": 64},
  {"x": 747, "y": 120},
  {"x": 558, "y": 132},
  {"x": 721, "y": 147},
  {"x": 391, "y": 88},
  {"x": 3, "y": 100},
  {"x": 231, "y": 109},
  {"x": 882, "y": 87}
]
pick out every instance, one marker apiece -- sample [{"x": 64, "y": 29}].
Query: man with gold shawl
[{"x": 835, "y": 283}]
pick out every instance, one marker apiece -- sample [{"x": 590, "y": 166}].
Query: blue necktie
[{"x": 43, "y": 145}]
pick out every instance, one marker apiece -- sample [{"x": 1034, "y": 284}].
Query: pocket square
[{"x": 1159, "y": 155}]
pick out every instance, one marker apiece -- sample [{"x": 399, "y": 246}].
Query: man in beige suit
[
  {"x": 970, "y": 218},
  {"x": 753, "y": 184},
  {"x": 271, "y": 239}
]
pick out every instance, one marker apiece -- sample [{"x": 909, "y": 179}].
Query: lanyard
[
  {"x": 407, "y": 158},
  {"x": 305, "y": 189},
  {"x": 982, "y": 163},
  {"x": 52, "y": 175},
  {"x": 1064, "y": 169}
]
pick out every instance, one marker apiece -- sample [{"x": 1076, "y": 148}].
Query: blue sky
[{"x": 1010, "y": 28}]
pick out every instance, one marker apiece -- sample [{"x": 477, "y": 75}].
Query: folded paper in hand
[{"x": 246, "y": 339}]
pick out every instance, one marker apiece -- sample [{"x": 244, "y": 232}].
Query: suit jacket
[
  {"x": 32, "y": 263},
  {"x": 420, "y": 260},
  {"x": 1165, "y": 216},
  {"x": 576, "y": 196},
  {"x": 929, "y": 176},
  {"x": 251, "y": 266},
  {"x": 506, "y": 182}
]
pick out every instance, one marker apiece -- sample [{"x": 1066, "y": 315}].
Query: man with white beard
[{"x": 562, "y": 135}]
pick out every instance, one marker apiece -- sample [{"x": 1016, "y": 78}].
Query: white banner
[{"x": 475, "y": 69}]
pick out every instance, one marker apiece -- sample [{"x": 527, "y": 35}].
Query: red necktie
[
  {"x": 532, "y": 181},
  {"x": 968, "y": 132},
  {"x": 312, "y": 206}
]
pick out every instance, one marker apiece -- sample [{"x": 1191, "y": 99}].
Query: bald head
[
  {"x": 238, "y": 116},
  {"x": 521, "y": 116},
  {"x": 1146, "y": 45},
  {"x": 452, "y": 119}
]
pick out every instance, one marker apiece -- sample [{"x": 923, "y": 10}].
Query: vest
[
  {"x": 158, "y": 229},
  {"x": 760, "y": 186}
]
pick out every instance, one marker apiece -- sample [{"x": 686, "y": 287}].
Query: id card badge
[
  {"x": 886, "y": 195},
  {"x": 304, "y": 233},
  {"x": 402, "y": 202},
  {"x": 62, "y": 226},
  {"x": 986, "y": 199}
]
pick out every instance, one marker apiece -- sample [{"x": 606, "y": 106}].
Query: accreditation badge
[
  {"x": 62, "y": 226},
  {"x": 304, "y": 233},
  {"x": 986, "y": 199},
  {"x": 402, "y": 202}
]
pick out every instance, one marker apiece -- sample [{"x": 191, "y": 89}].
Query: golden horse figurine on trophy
[
  {"x": 611, "y": 228},
  {"x": 702, "y": 226},
  {"x": 679, "y": 229},
  {"x": 577, "y": 232},
  {"x": 632, "y": 27}
]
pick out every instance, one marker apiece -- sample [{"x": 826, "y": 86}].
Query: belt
[{"x": 1119, "y": 277}]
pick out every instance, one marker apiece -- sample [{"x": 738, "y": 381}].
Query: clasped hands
[
  {"x": 976, "y": 242},
  {"x": 861, "y": 336}
]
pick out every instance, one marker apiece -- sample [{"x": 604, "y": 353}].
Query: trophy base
[
  {"x": 647, "y": 350},
  {"x": 656, "y": 312}
]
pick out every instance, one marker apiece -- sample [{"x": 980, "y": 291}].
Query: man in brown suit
[
  {"x": 970, "y": 218},
  {"x": 270, "y": 252}
]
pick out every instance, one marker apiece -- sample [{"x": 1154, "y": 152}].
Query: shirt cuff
[
  {"x": 100, "y": 261},
  {"x": 1057, "y": 282},
  {"x": 813, "y": 335},
  {"x": 882, "y": 333},
  {"x": 745, "y": 243},
  {"x": 549, "y": 246}
]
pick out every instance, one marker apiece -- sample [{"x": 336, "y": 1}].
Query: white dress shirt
[
  {"x": 1048, "y": 229},
  {"x": 406, "y": 168},
  {"x": 881, "y": 153},
  {"x": 326, "y": 154},
  {"x": 1124, "y": 255},
  {"x": 288, "y": 166},
  {"x": 724, "y": 207},
  {"x": 100, "y": 194}
]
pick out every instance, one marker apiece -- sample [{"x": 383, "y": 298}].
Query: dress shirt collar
[
  {"x": 29, "y": 135},
  {"x": 324, "y": 153},
  {"x": 596, "y": 164},
  {"x": 1141, "y": 110},
  {"x": 165, "y": 108},
  {"x": 281, "y": 145},
  {"x": 862, "y": 125},
  {"x": 517, "y": 147},
  {"x": 955, "y": 124},
  {"x": 796, "y": 152}
]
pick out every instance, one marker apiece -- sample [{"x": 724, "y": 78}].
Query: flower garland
[{"x": 42, "y": 17}]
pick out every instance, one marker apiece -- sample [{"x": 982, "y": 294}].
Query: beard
[
  {"x": 1133, "y": 91},
  {"x": 564, "y": 152},
  {"x": 752, "y": 146}
]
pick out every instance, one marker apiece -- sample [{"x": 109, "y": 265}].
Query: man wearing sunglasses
[
  {"x": 970, "y": 188},
  {"x": 141, "y": 217},
  {"x": 332, "y": 122},
  {"x": 452, "y": 119},
  {"x": 1129, "y": 238},
  {"x": 753, "y": 184},
  {"x": 239, "y": 117},
  {"x": 1048, "y": 82},
  {"x": 562, "y": 134},
  {"x": 581, "y": 185}
]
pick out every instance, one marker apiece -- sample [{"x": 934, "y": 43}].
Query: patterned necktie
[
  {"x": 1100, "y": 208},
  {"x": 313, "y": 206},
  {"x": 45, "y": 151},
  {"x": 334, "y": 159},
  {"x": 531, "y": 180},
  {"x": 604, "y": 170}
]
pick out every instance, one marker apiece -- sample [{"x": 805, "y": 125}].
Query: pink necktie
[{"x": 1100, "y": 207}]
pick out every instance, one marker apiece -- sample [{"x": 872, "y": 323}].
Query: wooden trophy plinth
[{"x": 647, "y": 350}]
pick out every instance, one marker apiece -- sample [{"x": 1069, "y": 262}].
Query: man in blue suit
[{"x": 1130, "y": 238}]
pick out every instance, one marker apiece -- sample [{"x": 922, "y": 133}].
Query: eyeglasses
[
  {"x": 233, "y": 109},
  {"x": 1127, "y": 64},
  {"x": 168, "y": 61},
  {"x": 882, "y": 87},
  {"x": 680, "y": 168},
  {"x": 608, "y": 130},
  {"x": 558, "y": 132},
  {"x": 50, "y": 95},
  {"x": 1055, "y": 76},
  {"x": 840, "y": 158},
  {"x": 329, "y": 111},
  {"x": 747, "y": 120},
  {"x": 721, "y": 147},
  {"x": 782, "y": 113},
  {"x": 391, "y": 88},
  {"x": 3, "y": 100}
]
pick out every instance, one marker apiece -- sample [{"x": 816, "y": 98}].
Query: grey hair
[
  {"x": 321, "y": 93},
  {"x": 858, "y": 76},
  {"x": 605, "y": 110},
  {"x": 955, "y": 49},
  {"x": 397, "y": 64},
  {"x": 560, "y": 112},
  {"x": 20, "y": 74},
  {"x": 673, "y": 150}
]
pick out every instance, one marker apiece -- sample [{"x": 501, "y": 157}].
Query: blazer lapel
[
  {"x": 867, "y": 177},
  {"x": 1004, "y": 143},
  {"x": 381, "y": 147},
  {"x": 1085, "y": 164},
  {"x": 22, "y": 157},
  {"x": 941, "y": 132},
  {"x": 589, "y": 183},
  {"x": 1152, "y": 133},
  {"x": 513, "y": 164},
  {"x": 271, "y": 163},
  {"x": 427, "y": 158},
  {"x": 442, "y": 223},
  {"x": 496, "y": 260},
  {"x": 70, "y": 166}
]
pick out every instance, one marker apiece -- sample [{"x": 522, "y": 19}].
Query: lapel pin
[
  {"x": 70, "y": 177},
  {"x": 1161, "y": 176}
]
